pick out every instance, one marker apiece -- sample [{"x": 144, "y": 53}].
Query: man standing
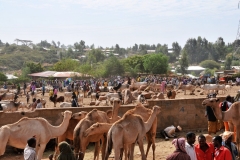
[
  {"x": 24, "y": 87},
  {"x": 29, "y": 151},
  {"x": 212, "y": 120},
  {"x": 221, "y": 153},
  {"x": 189, "y": 145},
  {"x": 204, "y": 151},
  {"x": 227, "y": 142}
]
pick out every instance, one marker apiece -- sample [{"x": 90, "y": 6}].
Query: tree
[
  {"x": 3, "y": 77},
  {"x": 228, "y": 63},
  {"x": 33, "y": 67},
  {"x": 95, "y": 55},
  {"x": 92, "y": 46},
  {"x": 210, "y": 64},
  {"x": 66, "y": 65},
  {"x": 113, "y": 67},
  {"x": 117, "y": 48},
  {"x": 54, "y": 44},
  {"x": 176, "y": 49},
  {"x": 134, "y": 63},
  {"x": 58, "y": 44},
  {"x": 183, "y": 62},
  {"x": 156, "y": 63}
]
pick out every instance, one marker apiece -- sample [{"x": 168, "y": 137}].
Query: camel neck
[
  {"x": 218, "y": 112},
  {"x": 59, "y": 130},
  {"x": 115, "y": 113},
  {"x": 150, "y": 121}
]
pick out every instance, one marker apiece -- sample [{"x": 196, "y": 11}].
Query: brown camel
[
  {"x": 100, "y": 129},
  {"x": 76, "y": 117},
  {"x": 129, "y": 129},
  {"x": 171, "y": 94},
  {"x": 232, "y": 114},
  {"x": 145, "y": 113},
  {"x": 81, "y": 142},
  {"x": 18, "y": 133}
]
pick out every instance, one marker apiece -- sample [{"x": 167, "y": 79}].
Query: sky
[{"x": 125, "y": 22}]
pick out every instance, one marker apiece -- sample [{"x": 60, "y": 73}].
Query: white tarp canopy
[
  {"x": 195, "y": 68},
  {"x": 10, "y": 76}
]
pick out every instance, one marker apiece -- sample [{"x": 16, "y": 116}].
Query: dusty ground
[{"x": 163, "y": 148}]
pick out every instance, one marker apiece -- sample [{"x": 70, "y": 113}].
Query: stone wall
[{"x": 188, "y": 113}]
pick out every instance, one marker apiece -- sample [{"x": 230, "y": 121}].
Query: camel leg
[
  {"x": 104, "y": 143},
  {"x": 131, "y": 151},
  {"x": 40, "y": 151},
  {"x": 3, "y": 140},
  {"x": 149, "y": 143},
  {"x": 140, "y": 144},
  {"x": 238, "y": 138},
  {"x": 116, "y": 153},
  {"x": 96, "y": 150}
]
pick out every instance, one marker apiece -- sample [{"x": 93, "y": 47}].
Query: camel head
[
  {"x": 116, "y": 102},
  {"x": 210, "y": 102},
  {"x": 79, "y": 115},
  {"x": 91, "y": 130},
  {"x": 67, "y": 114},
  {"x": 156, "y": 109},
  {"x": 93, "y": 115}
]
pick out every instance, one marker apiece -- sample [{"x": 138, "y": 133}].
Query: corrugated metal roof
[{"x": 55, "y": 74}]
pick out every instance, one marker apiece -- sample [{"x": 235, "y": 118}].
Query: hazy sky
[{"x": 124, "y": 22}]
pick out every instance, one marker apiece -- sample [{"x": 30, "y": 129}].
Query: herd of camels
[{"x": 106, "y": 129}]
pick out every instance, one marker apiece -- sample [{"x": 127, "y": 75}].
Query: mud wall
[{"x": 188, "y": 113}]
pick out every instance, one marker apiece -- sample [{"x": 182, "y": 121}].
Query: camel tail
[
  {"x": 109, "y": 143},
  {"x": 76, "y": 141}
]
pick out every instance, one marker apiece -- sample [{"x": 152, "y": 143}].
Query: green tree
[
  {"x": 66, "y": 65},
  {"x": 95, "y": 56},
  {"x": 156, "y": 63},
  {"x": 210, "y": 64},
  {"x": 176, "y": 49},
  {"x": 134, "y": 63},
  {"x": 228, "y": 62},
  {"x": 183, "y": 63},
  {"x": 3, "y": 77},
  {"x": 113, "y": 67},
  {"x": 33, "y": 67}
]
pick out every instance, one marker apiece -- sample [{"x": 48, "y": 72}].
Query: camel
[
  {"x": 56, "y": 99},
  {"x": 129, "y": 129},
  {"x": 18, "y": 133},
  {"x": 171, "y": 94},
  {"x": 151, "y": 134},
  {"x": 76, "y": 117},
  {"x": 232, "y": 114},
  {"x": 81, "y": 142},
  {"x": 102, "y": 128}
]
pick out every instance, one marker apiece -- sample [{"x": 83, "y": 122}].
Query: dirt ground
[{"x": 163, "y": 148}]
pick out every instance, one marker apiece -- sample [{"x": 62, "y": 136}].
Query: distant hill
[{"x": 13, "y": 57}]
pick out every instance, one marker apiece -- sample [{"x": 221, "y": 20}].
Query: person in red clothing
[
  {"x": 220, "y": 153},
  {"x": 204, "y": 151}
]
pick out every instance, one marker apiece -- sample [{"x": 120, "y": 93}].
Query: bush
[
  {"x": 210, "y": 64},
  {"x": 3, "y": 77}
]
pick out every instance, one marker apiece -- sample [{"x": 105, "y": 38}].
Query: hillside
[{"x": 13, "y": 57}]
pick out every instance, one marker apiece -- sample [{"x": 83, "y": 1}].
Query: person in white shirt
[
  {"x": 169, "y": 132},
  {"x": 39, "y": 104},
  {"x": 29, "y": 150},
  {"x": 189, "y": 145}
]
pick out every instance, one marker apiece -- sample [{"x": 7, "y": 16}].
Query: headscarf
[
  {"x": 66, "y": 152},
  {"x": 226, "y": 135},
  {"x": 179, "y": 144}
]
